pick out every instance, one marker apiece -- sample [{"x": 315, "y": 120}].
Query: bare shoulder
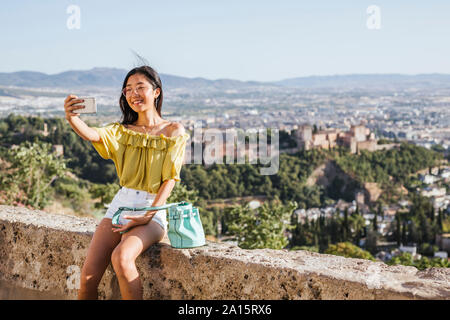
[{"x": 176, "y": 129}]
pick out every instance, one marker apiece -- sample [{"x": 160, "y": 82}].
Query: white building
[
  {"x": 412, "y": 250},
  {"x": 441, "y": 254},
  {"x": 428, "y": 179},
  {"x": 403, "y": 203},
  {"x": 445, "y": 174},
  {"x": 254, "y": 204},
  {"x": 433, "y": 192}
]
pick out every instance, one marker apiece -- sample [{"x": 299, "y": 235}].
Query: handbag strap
[
  {"x": 116, "y": 215},
  {"x": 165, "y": 206}
]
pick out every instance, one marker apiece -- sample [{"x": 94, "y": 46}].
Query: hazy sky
[{"x": 237, "y": 39}]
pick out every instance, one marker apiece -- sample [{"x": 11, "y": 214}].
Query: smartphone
[{"x": 89, "y": 103}]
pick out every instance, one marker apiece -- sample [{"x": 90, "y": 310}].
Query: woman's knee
[
  {"x": 121, "y": 259},
  {"x": 89, "y": 277}
]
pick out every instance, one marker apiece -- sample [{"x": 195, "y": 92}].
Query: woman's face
[{"x": 140, "y": 94}]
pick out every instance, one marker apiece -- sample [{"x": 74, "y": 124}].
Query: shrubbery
[
  {"x": 423, "y": 263},
  {"x": 349, "y": 250}
]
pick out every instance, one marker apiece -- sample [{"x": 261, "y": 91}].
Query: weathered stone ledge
[{"x": 44, "y": 252}]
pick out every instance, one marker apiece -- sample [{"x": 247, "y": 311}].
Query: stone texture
[{"x": 44, "y": 252}]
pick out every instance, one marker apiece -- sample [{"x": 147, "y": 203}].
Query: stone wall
[{"x": 41, "y": 255}]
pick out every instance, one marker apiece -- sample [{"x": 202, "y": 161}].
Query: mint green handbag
[{"x": 185, "y": 226}]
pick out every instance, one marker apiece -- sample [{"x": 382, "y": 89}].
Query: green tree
[
  {"x": 307, "y": 248},
  {"x": 357, "y": 223},
  {"x": 33, "y": 169},
  {"x": 423, "y": 263},
  {"x": 380, "y": 211},
  {"x": 263, "y": 227},
  {"x": 397, "y": 228},
  {"x": 105, "y": 192},
  {"x": 315, "y": 130},
  {"x": 404, "y": 259},
  {"x": 182, "y": 193},
  {"x": 349, "y": 250},
  {"x": 345, "y": 226},
  {"x": 375, "y": 222},
  {"x": 303, "y": 234},
  {"x": 440, "y": 221},
  {"x": 74, "y": 193},
  {"x": 371, "y": 241},
  {"x": 427, "y": 249}
]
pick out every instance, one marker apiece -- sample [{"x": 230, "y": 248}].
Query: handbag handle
[
  {"x": 115, "y": 218},
  {"x": 165, "y": 206}
]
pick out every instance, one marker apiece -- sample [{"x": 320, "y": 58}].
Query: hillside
[
  {"x": 113, "y": 77},
  {"x": 110, "y": 77},
  {"x": 311, "y": 178}
]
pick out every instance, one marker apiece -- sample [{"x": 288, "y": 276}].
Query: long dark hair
[{"x": 129, "y": 116}]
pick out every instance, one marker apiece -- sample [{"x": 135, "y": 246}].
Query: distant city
[
  {"x": 353, "y": 111},
  {"x": 412, "y": 108}
]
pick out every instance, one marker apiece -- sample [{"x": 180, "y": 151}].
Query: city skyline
[{"x": 252, "y": 41}]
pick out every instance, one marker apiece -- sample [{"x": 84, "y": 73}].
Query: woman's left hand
[{"x": 135, "y": 221}]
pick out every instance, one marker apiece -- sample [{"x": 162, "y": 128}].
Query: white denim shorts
[{"x": 127, "y": 197}]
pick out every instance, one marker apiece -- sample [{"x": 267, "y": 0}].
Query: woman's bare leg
[
  {"x": 98, "y": 258},
  {"x": 123, "y": 258}
]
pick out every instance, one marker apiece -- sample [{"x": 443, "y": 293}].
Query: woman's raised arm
[{"x": 78, "y": 125}]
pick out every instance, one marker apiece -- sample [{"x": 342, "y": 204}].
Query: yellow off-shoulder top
[{"x": 143, "y": 161}]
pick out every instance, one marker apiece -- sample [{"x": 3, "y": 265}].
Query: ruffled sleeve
[
  {"x": 135, "y": 139},
  {"x": 175, "y": 157},
  {"x": 109, "y": 144}
]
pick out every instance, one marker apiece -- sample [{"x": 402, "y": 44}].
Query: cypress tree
[
  {"x": 397, "y": 219},
  {"x": 375, "y": 224},
  {"x": 380, "y": 210},
  {"x": 439, "y": 221},
  {"x": 345, "y": 226},
  {"x": 404, "y": 239}
]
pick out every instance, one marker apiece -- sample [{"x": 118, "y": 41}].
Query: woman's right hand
[{"x": 69, "y": 106}]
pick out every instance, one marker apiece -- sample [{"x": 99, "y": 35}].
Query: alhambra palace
[{"x": 356, "y": 139}]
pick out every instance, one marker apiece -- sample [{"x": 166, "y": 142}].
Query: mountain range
[{"x": 113, "y": 77}]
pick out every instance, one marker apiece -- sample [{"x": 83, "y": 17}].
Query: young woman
[{"x": 148, "y": 153}]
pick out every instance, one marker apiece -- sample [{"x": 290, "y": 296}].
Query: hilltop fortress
[{"x": 358, "y": 138}]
